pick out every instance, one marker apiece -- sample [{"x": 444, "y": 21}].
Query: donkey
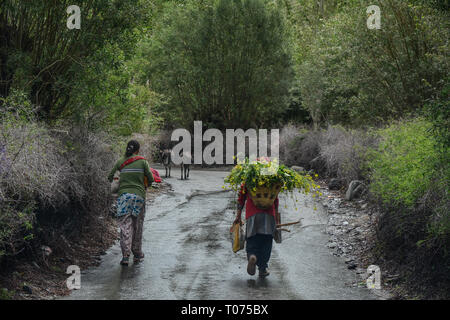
[
  {"x": 166, "y": 156},
  {"x": 185, "y": 167}
]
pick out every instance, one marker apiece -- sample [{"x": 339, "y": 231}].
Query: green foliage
[
  {"x": 5, "y": 294},
  {"x": 16, "y": 108},
  {"x": 352, "y": 75},
  {"x": 439, "y": 226},
  {"x": 15, "y": 225},
  {"x": 226, "y": 63},
  {"x": 110, "y": 99},
  {"x": 437, "y": 112},
  {"x": 404, "y": 164},
  {"x": 262, "y": 173},
  {"x": 408, "y": 175},
  {"x": 45, "y": 59}
]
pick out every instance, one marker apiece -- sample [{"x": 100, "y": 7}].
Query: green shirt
[{"x": 132, "y": 176}]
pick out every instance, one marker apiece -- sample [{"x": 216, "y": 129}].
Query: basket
[{"x": 263, "y": 197}]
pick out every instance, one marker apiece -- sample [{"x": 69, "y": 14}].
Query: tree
[
  {"x": 227, "y": 63},
  {"x": 356, "y": 76},
  {"x": 42, "y": 57}
]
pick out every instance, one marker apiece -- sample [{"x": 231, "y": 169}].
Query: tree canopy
[{"x": 227, "y": 63}]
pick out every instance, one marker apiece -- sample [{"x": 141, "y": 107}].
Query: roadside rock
[
  {"x": 46, "y": 250},
  {"x": 355, "y": 190},
  {"x": 349, "y": 260},
  {"x": 335, "y": 184},
  {"x": 359, "y": 191},
  {"x": 27, "y": 289},
  {"x": 352, "y": 266},
  {"x": 332, "y": 245}
]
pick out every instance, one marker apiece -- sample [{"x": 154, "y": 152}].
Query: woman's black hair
[{"x": 132, "y": 147}]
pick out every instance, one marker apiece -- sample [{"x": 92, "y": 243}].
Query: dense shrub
[
  {"x": 411, "y": 182},
  {"x": 437, "y": 111},
  {"x": 343, "y": 152},
  {"x": 298, "y": 145},
  {"x": 336, "y": 151},
  {"x": 291, "y": 139},
  {"x": 403, "y": 165},
  {"x": 149, "y": 146},
  {"x": 50, "y": 179}
]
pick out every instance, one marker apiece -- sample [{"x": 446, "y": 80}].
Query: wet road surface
[{"x": 188, "y": 253}]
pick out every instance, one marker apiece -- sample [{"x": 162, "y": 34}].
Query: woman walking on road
[
  {"x": 131, "y": 201},
  {"x": 260, "y": 227}
]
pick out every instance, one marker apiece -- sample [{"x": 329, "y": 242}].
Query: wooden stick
[
  {"x": 282, "y": 229},
  {"x": 288, "y": 224}
]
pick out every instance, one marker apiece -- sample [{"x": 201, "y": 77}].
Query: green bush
[
  {"x": 409, "y": 178},
  {"x": 404, "y": 163},
  {"x": 5, "y": 294}
]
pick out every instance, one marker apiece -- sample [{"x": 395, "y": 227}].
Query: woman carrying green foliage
[
  {"x": 260, "y": 227},
  {"x": 258, "y": 183},
  {"x": 134, "y": 170}
]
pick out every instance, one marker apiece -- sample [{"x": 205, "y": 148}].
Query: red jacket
[{"x": 250, "y": 208}]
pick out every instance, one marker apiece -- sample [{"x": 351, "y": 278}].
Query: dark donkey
[
  {"x": 185, "y": 165},
  {"x": 166, "y": 156}
]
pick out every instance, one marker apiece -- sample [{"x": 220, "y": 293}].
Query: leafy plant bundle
[{"x": 270, "y": 174}]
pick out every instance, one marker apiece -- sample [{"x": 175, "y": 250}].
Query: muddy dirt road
[{"x": 188, "y": 253}]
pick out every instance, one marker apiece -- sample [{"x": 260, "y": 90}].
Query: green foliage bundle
[{"x": 265, "y": 173}]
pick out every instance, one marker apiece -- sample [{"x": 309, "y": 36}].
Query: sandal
[
  {"x": 124, "y": 261},
  {"x": 138, "y": 258},
  {"x": 251, "y": 266},
  {"x": 264, "y": 273}
]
